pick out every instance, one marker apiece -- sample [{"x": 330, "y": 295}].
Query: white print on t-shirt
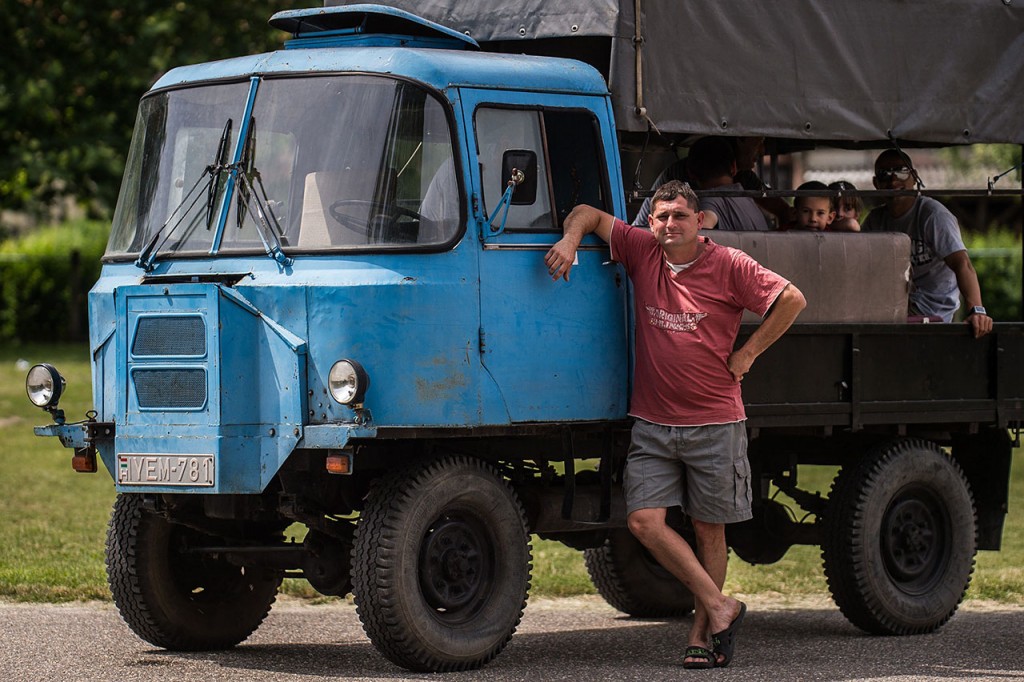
[
  {"x": 920, "y": 253},
  {"x": 673, "y": 322}
]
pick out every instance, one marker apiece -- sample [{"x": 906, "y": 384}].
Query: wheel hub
[
  {"x": 451, "y": 565},
  {"x": 909, "y": 540}
]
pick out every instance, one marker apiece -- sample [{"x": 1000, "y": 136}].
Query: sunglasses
[{"x": 902, "y": 173}]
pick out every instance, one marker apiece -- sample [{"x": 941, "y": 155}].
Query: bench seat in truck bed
[{"x": 845, "y": 277}]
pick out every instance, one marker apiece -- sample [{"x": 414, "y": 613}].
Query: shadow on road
[
  {"x": 558, "y": 640},
  {"x": 779, "y": 644}
]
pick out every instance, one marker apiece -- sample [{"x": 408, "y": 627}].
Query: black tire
[
  {"x": 176, "y": 600},
  {"x": 441, "y": 565},
  {"x": 632, "y": 581},
  {"x": 900, "y": 539}
]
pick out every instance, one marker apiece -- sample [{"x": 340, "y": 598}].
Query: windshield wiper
[
  {"x": 247, "y": 197},
  {"x": 219, "y": 164},
  {"x": 212, "y": 174}
]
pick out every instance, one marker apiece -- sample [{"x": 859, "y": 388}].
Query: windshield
[{"x": 333, "y": 162}]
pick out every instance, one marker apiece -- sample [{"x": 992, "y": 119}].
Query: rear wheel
[
  {"x": 174, "y": 598},
  {"x": 899, "y": 539},
  {"x": 632, "y": 581},
  {"x": 441, "y": 565}
]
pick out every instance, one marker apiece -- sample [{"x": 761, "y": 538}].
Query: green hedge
[
  {"x": 45, "y": 277},
  {"x": 997, "y": 258}
]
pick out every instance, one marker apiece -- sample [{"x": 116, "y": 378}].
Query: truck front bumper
[{"x": 83, "y": 438}]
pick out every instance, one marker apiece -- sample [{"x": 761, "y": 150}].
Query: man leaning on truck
[{"x": 688, "y": 445}]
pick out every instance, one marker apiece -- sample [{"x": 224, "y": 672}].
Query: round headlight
[
  {"x": 348, "y": 382},
  {"x": 44, "y": 385}
]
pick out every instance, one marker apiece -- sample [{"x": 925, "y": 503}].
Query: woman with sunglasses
[{"x": 940, "y": 267}]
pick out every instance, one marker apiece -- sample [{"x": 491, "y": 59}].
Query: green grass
[
  {"x": 558, "y": 571},
  {"x": 54, "y": 520},
  {"x": 799, "y": 572},
  {"x": 1000, "y": 575}
]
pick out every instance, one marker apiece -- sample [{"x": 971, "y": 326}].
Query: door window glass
[{"x": 568, "y": 167}]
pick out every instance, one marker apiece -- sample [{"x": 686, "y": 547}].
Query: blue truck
[{"x": 324, "y": 303}]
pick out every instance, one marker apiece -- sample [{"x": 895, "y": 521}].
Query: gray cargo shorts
[{"x": 703, "y": 469}]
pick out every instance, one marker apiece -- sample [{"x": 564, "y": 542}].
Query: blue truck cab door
[{"x": 557, "y": 350}]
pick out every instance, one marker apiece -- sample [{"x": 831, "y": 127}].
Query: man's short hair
[
  {"x": 896, "y": 155},
  {"x": 815, "y": 185},
  {"x": 672, "y": 189},
  {"x": 711, "y": 157}
]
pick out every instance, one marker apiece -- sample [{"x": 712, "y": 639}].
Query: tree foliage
[
  {"x": 44, "y": 277},
  {"x": 996, "y": 256},
  {"x": 73, "y": 73},
  {"x": 1003, "y": 157}
]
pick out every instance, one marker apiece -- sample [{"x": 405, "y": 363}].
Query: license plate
[{"x": 186, "y": 470}]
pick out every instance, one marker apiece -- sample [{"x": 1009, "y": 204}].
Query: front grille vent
[
  {"x": 164, "y": 336},
  {"x": 170, "y": 388}
]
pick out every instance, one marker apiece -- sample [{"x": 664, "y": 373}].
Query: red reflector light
[
  {"x": 84, "y": 461},
  {"x": 339, "y": 464}
]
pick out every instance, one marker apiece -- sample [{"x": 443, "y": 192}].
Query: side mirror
[{"x": 525, "y": 162}]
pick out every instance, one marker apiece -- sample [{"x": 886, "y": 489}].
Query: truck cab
[{"x": 258, "y": 243}]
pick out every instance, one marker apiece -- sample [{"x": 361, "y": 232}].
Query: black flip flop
[
  {"x": 699, "y": 652},
  {"x": 724, "y": 642}
]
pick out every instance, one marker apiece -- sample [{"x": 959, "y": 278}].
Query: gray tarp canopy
[{"x": 850, "y": 71}]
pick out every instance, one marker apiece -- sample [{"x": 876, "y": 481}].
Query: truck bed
[{"x": 895, "y": 376}]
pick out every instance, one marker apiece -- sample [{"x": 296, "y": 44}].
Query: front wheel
[
  {"x": 899, "y": 539},
  {"x": 441, "y": 565},
  {"x": 173, "y": 597}
]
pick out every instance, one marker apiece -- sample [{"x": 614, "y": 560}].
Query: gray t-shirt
[
  {"x": 735, "y": 213},
  {"x": 675, "y": 171},
  {"x": 934, "y": 235}
]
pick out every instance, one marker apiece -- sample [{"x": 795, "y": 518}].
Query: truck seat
[
  {"x": 313, "y": 231},
  {"x": 321, "y": 189},
  {"x": 845, "y": 277}
]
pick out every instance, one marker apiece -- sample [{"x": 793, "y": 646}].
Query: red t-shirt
[{"x": 686, "y": 327}]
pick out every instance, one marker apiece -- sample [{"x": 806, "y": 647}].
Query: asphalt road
[{"x": 570, "y": 639}]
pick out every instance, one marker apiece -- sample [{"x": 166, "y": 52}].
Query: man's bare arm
[
  {"x": 784, "y": 311},
  {"x": 582, "y": 221},
  {"x": 967, "y": 281}
]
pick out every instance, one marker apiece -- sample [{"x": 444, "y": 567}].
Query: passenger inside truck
[
  {"x": 849, "y": 206},
  {"x": 810, "y": 212}
]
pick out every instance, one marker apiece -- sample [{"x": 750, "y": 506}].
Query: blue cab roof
[{"x": 439, "y": 68}]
